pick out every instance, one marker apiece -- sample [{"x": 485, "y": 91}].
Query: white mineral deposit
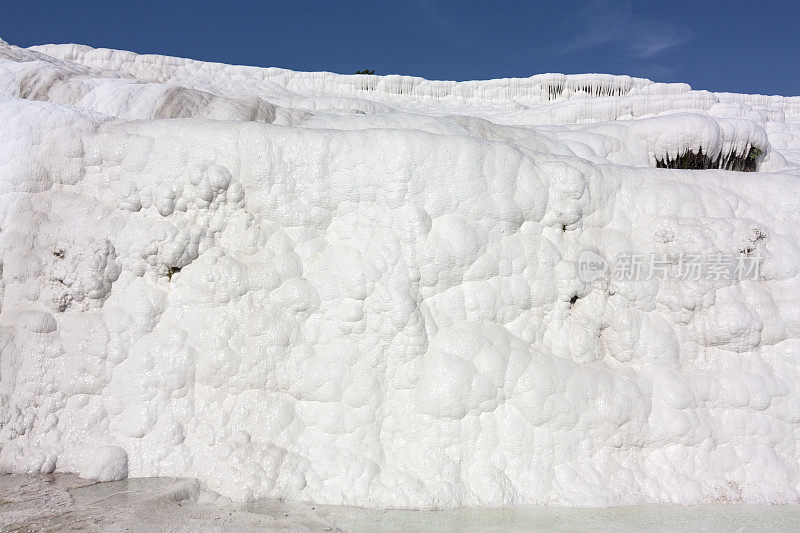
[{"x": 362, "y": 290}]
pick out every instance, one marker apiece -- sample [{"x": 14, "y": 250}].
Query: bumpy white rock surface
[{"x": 363, "y": 289}]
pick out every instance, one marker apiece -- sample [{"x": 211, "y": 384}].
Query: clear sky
[{"x": 741, "y": 46}]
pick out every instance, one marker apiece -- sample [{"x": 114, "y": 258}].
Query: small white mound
[{"x": 107, "y": 463}]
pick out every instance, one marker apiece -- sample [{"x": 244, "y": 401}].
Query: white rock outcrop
[{"x": 365, "y": 290}]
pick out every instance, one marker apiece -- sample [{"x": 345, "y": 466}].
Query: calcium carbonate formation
[{"x": 366, "y": 290}]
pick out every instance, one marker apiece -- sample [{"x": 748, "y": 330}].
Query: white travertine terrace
[{"x": 363, "y": 289}]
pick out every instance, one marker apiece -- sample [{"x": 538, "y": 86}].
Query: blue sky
[{"x": 732, "y": 45}]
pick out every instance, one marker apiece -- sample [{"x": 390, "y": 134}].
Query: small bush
[{"x": 365, "y": 71}]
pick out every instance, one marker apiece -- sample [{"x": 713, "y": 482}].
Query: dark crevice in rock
[{"x": 172, "y": 271}]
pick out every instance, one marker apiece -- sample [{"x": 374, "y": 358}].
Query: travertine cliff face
[{"x": 368, "y": 290}]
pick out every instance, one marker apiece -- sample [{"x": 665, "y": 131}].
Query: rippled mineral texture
[{"x": 365, "y": 290}]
